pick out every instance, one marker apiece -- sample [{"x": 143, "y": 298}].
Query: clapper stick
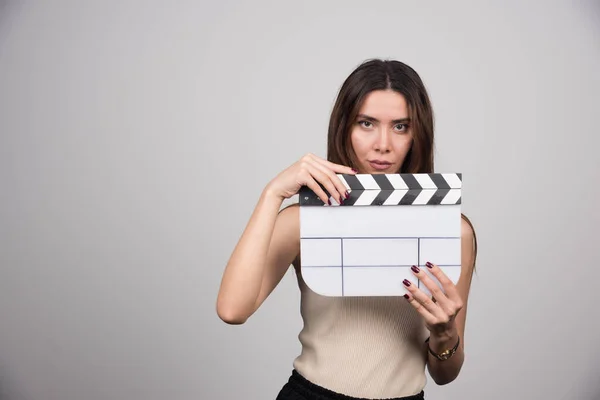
[{"x": 366, "y": 245}]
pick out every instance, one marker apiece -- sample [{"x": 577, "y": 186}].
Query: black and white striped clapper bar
[{"x": 366, "y": 245}]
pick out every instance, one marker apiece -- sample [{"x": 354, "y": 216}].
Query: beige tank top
[{"x": 367, "y": 347}]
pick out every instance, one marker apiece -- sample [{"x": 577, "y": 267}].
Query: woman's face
[{"x": 381, "y": 135}]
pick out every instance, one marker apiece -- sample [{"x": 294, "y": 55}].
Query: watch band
[{"x": 446, "y": 354}]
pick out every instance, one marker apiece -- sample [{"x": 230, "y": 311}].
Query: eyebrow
[{"x": 396, "y": 121}]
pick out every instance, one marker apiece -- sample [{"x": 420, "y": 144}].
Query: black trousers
[{"x": 299, "y": 388}]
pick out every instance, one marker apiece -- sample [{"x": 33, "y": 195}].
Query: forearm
[
  {"x": 242, "y": 278},
  {"x": 444, "y": 372}
]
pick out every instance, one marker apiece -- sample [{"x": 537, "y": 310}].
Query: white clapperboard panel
[{"x": 366, "y": 245}]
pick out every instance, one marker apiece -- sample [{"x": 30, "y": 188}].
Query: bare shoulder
[
  {"x": 293, "y": 208},
  {"x": 467, "y": 232},
  {"x": 290, "y": 224},
  {"x": 289, "y": 218},
  {"x": 468, "y": 245}
]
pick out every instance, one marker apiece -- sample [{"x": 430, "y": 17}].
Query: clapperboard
[{"x": 366, "y": 245}]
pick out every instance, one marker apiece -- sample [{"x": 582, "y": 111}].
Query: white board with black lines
[{"x": 366, "y": 245}]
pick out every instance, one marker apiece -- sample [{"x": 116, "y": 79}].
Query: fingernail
[
  {"x": 406, "y": 282},
  {"x": 347, "y": 194},
  {"x": 406, "y": 296},
  {"x": 429, "y": 265},
  {"x": 415, "y": 268},
  {"x": 328, "y": 201},
  {"x": 355, "y": 171}
]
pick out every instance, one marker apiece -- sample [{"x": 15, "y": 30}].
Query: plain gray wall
[{"x": 136, "y": 137}]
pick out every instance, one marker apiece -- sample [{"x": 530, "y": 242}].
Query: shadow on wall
[
  {"x": 9, "y": 390},
  {"x": 590, "y": 10},
  {"x": 8, "y": 11}
]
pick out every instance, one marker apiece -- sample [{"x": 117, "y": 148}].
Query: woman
[{"x": 357, "y": 347}]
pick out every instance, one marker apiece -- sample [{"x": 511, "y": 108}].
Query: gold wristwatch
[{"x": 446, "y": 354}]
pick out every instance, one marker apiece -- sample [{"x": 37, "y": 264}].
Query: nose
[{"x": 382, "y": 143}]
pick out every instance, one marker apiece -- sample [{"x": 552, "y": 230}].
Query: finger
[
  {"x": 309, "y": 172},
  {"x": 446, "y": 306},
  {"x": 429, "y": 318},
  {"x": 315, "y": 187},
  {"x": 449, "y": 287},
  {"x": 433, "y": 287},
  {"x": 422, "y": 303},
  {"x": 341, "y": 191},
  {"x": 322, "y": 176},
  {"x": 338, "y": 168},
  {"x": 332, "y": 169}
]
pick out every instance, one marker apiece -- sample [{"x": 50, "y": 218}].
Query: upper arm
[
  {"x": 467, "y": 266},
  {"x": 283, "y": 249}
]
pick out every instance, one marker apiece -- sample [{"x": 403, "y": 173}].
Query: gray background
[{"x": 136, "y": 137}]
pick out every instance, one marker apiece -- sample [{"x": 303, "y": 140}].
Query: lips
[
  {"x": 379, "y": 165},
  {"x": 379, "y": 162}
]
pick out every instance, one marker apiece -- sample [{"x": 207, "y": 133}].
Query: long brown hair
[
  {"x": 377, "y": 74},
  {"x": 381, "y": 75}
]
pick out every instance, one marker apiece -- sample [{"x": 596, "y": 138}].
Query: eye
[
  {"x": 365, "y": 124},
  {"x": 401, "y": 127}
]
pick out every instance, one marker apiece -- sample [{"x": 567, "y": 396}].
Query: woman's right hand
[{"x": 309, "y": 171}]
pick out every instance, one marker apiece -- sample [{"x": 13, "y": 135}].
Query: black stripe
[
  {"x": 383, "y": 182},
  {"x": 353, "y": 182},
  {"x": 307, "y": 197},
  {"x": 439, "y": 181},
  {"x": 438, "y": 196},
  {"x": 354, "y": 195},
  {"x": 382, "y": 197},
  {"x": 410, "y": 181},
  {"x": 419, "y": 254},
  {"x": 342, "y": 259},
  {"x": 410, "y": 197}
]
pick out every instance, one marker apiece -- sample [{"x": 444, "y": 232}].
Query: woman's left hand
[{"x": 440, "y": 311}]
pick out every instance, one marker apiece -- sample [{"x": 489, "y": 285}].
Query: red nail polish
[
  {"x": 328, "y": 201},
  {"x": 415, "y": 268},
  {"x": 355, "y": 171},
  {"x": 406, "y": 282},
  {"x": 429, "y": 265},
  {"x": 406, "y": 296}
]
